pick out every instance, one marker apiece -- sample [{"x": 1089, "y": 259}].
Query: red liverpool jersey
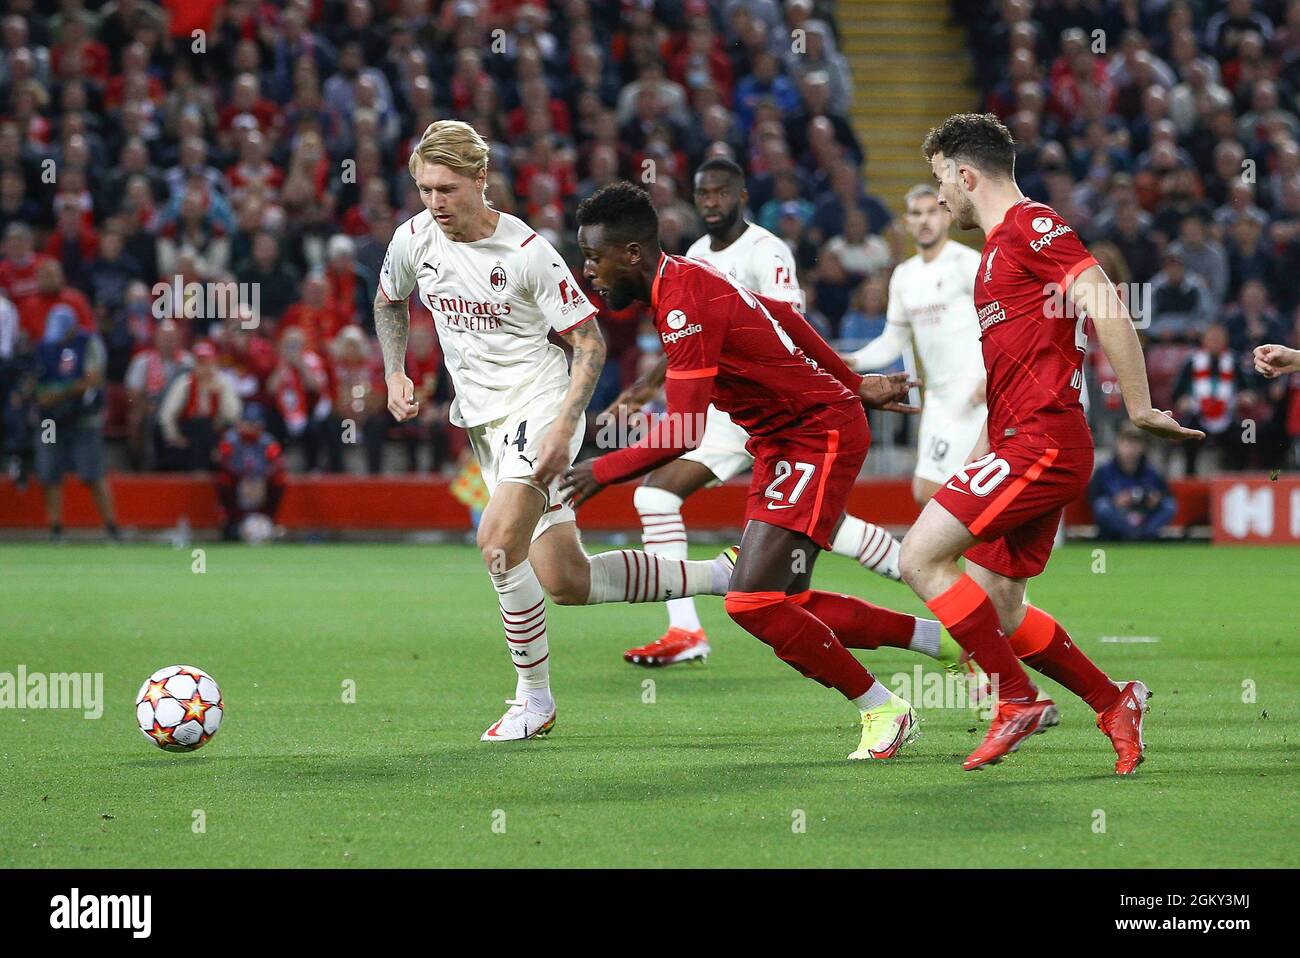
[
  {"x": 1033, "y": 346},
  {"x": 753, "y": 357},
  {"x": 711, "y": 326}
]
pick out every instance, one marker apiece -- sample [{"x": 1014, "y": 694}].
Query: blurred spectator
[
  {"x": 431, "y": 427},
  {"x": 360, "y": 403},
  {"x": 196, "y": 408},
  {"x": 350, "y": 287},
  {"x": 1208, "y": 395},
  {"x": 859, "y": 252},
  {"x": 867, "y": 317},
  {"x": 299, "y": 389},
  {"x": 845, "y": 193},
  {"x": 150, "y": 372},
  {"x": 19, "y": 267},
  {"x": 1181, "y": 303},
  {"x": 250, "y": 474},
  {"x": 1130, "y": 501},
  {"x": 1202, "y": 255},
  {"x": 70, "y": 395},
  {"x": 276, "y": 281}
]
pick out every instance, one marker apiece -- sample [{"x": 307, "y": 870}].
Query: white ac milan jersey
[
  {"x": 935, "y": 306},
  {"x": 758, "y": 260},
  {"x": 493, "y": 302}
]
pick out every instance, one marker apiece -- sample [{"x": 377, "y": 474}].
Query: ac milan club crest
[{"x": 497, "y": 278}]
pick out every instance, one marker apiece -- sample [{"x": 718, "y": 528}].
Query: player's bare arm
[
  {"x": 1093, "y": 293},
  {"x": 588, "y": 360},
  {"x": 642, "y": 391},
  {"x": 392, "y": 323},
  {"x": 1272, "y": 360}
]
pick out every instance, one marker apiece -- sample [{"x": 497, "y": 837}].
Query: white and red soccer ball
[{"x": 179, "y": 708}]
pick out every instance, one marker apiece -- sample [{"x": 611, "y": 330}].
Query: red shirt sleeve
[
  {"x": 677, "y": 431},
  {"x": 691, "y": 333},
  {"x": 1051, "y": 250},
  {"x": 803, "y": 335}
]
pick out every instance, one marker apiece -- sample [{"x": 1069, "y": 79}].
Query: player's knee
[
  {"x": 913, "y": 562},
  {"x": 499, "y": 550},
  {"x": 568, "y": 587}
]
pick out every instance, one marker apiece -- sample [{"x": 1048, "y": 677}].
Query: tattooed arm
[
  {"x": 588, "y": 360},
  {"x": 392, "y": 321}
]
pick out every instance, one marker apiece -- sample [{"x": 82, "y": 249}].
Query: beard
[
  {"x": 725, "y": 224},
  {"x": 963, "y": 213},
  {"x": 620, "y": 295}
]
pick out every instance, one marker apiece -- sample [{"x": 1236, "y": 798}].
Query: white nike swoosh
[
  {"x": 773, "y": 506},
  {"x": 955, "y": 488}
]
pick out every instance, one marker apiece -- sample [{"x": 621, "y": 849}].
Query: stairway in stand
[{"x": 911, "y": 69}]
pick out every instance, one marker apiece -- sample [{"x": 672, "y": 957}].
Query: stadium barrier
[
  {"x": 1255, "y": 509},
  {"x": 345, "y": 503}
]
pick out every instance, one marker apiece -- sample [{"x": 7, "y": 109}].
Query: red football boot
[
  {"x": 675, "y": 645},
  {"x": 1013, "y": 723},
  {"x": 1122, "y": 723}
]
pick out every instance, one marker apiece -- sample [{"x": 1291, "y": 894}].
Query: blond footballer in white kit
[
  {"x": 931, "y": 306},
  {"x": 761, "y": 261},
  {"x": 496, "y": 289}
]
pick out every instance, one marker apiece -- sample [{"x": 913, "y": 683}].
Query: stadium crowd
[
  {"x": 1166, "y": 133},
  {"x": 264, "y": 145}
]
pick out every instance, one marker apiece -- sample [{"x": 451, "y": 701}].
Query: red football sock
[
  {"x": 799, "y": 639},
  {"x": 856, "y": 623},
  {"x": 968, "y": 614},
  {"x": 1043, "y": 645}
]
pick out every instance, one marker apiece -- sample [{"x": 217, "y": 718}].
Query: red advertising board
[{"x": 1251, "y": 508}]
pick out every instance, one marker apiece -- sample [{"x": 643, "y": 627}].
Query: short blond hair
[{"x": 453, "y": 144}]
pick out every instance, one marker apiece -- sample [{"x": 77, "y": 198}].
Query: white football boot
[{"x": 520, "y": 722}]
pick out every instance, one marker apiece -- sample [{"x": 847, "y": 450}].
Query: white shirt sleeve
[
  {"x": 553, "y": 287},
  {"x": 889, "y": 345},
  {"x": 774, "y": 271},
  {"x": 397, "y": 275}
]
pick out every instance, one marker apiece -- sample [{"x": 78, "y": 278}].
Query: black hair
[
  {"x": 626, "y": 212},
  {"x": 722, "y": 165},
  {"x": 980, "y": 139}
]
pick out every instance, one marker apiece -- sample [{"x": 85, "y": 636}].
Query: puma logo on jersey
[
  {"x": 532, "y": 463},
  {"x": 431, "y": 267}
]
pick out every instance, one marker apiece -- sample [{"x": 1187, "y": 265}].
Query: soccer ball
[
  {"x": 179, "y": 708},
  {"x": 256, "y": 529}
]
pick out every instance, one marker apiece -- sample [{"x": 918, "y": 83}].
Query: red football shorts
[
  {"x": 1011, "y": 500},
  {"x": 801, "y": 481}
]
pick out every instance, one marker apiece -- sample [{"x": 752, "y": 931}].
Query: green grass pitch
[{"x": 719, "y": 769}]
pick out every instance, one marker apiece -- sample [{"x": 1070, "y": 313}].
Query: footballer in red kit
[
  {"x": 760, "y": 361},
  {"x": 1041, "y": 447},
  {"x": 1036, "y": 287}
]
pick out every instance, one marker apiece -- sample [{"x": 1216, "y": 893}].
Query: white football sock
[
  {"x": 873, "y": 547},
  {"x": 925, "y": 637},
  {"x": 876, "y": 695},
  {"x": 627, "y": 575},
  {"x": 523, "y": 616},
  {"x": 664, "y": 535}
]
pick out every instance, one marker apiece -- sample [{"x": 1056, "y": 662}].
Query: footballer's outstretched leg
[
  {"x": 769, "y": 599},
  {"x": 868, "y": 544},
  {"x": 1044, "y": 645},
  {"x": 658, "y": 503},
  {"x": 929, "y": 565}
]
